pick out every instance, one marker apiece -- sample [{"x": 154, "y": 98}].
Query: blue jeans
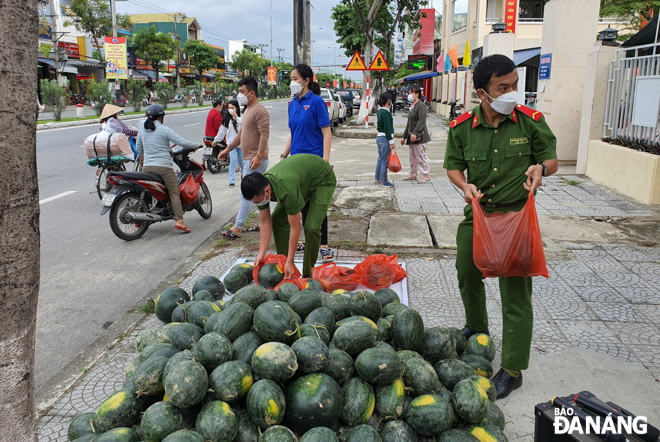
[
  {"x": 235, "y": 157},
  {"x": 246, "y": 205},
  {"x": 383, "y": 158}
]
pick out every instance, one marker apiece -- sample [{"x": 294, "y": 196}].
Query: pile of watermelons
[{"x": 297, "y": 365}]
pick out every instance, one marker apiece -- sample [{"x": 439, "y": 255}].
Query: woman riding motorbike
[{"x": 153, "y": 144}]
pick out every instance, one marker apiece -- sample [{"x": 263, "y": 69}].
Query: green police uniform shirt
[
  {"x": 497, "y": 158},
  {"x": 295, "y": 179}
]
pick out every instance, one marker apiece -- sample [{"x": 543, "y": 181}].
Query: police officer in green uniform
[
  {"x": 292, "y": 183},
  {"x": 507, "y": 149}
]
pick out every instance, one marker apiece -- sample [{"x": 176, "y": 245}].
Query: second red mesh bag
[
  {"x": 332, "y": 277},
  {"x": 379, "y": 271}
]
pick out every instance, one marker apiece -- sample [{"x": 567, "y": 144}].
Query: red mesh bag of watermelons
[
  {"x": 333, "y": 277},
  {"x": 280, "y": 260},
  {"x": 379, "y": 271},
  {"x": 508, "y": 244},
  {"x": 189, "y": 191}
]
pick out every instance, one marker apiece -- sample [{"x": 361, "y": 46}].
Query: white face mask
[
  {"x": 242, "y": 99},
  {"x": 296, "y": 88},
  {"x": 504, "y": 104},
  {"x": 411, "y": 97},
  {"x": 264, "y": 202}
]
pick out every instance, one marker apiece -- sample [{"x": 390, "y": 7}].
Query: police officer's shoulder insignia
[
  {"x": 466, "y": 116},
  {"x": 531, "y": 113}
]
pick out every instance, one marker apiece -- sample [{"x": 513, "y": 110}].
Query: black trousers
[{"x": 324, "y": 226}]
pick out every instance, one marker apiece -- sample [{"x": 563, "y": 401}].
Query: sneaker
[
  {"x": 505, "y": 383},
  {"x": 388, "y": 184},
  {"x": 231, "y": 185}
]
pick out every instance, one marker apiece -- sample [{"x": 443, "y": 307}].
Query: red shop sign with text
[{"x": 511, "y": 14}]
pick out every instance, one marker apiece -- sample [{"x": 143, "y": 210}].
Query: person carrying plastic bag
[{"x": 507, "y": 149}]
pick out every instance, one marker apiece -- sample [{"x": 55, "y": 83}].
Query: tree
[
  {"x": 99, "y": 94},
  {"x": 54, "y": 97},
  {"x": 19, "y": 219},
  {"x": 164, "y": 94},
  {"x": 249, "y": 63},
  {"x": 154, "y": 47},
  {"x": 202, "y": 56},
  {"x": 633, "y": 12},
  {"x": 137, "y": 91},
  {"x": 94, "y": 17}
]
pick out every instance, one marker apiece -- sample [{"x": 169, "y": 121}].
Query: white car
[
  {"x": 343, "y": 108},
  {"x": 333, "y": 106}
]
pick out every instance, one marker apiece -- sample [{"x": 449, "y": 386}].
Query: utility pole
[
  {"x": 178, "y": 18},
  {"x": 279, "y": 54},
  {"x": 56, "y": 44},
  {"x": 334, "y": 66},
  {"x": 301, "y": 32},
  {"x": 115, "y": 84},
  {"x": 271, "y": 33}
]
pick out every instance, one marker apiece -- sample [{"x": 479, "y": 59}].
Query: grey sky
[{"x": 222, "y": 20}]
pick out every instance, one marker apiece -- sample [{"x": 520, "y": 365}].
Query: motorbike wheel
[
  {"x": 213, "y": 166},
  {"x": 120, "y": 222},
  {"x": 101, "y": 181},
  {"x": 204, "y": 205}
]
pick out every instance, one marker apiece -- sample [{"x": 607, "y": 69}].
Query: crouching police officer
[{"x": 507, "y": 149}]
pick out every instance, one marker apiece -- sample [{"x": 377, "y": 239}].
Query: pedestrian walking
[
  {"x": 385, "y": 138},
  {"x": 416, "y": 136},
  {"x": 309, "y": 125},
  {"x": 253, "y": 139},
  {"x": 393, "y": 103},
  {"x": 228, "y": 131},
  {"x": 507, "y": 149}
]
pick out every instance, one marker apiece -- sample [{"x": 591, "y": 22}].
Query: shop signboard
[
  {"x": 72, "y": 49},
  {"x": 116, "y": 66}
]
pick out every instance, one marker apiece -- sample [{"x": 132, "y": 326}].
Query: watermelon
[
  {"x": 118, "y": 435},
  {"x": 244, "y": 347},
  {"x": 404, "y": 355},
  {"x": 185, "y": 436},
  {"x": 319, "y": 434},
  {"x": 384, "y": 330},
  {"x": 387, "y": 296},
  {"x": 252, "y": 295},
  {"x": 386, "y": 346},
  {"x": 81, "y": 425},
  {"x": 407, "y": 330},
  {"x": 482, "y": 345},
  {"x": 86, "y": 438},
  {"x": 487, "y": 432},
  {"x": 322, "y": 316},
  {"x": 495, "y": 416},
  {"x": 438, "y": 344},
  {"x": 315, "y": 331},
  {"x": 452, "y": 371},
  {"x": 186, "y": 384},
  {"x": 209, "y": 324},
  {"x": 181, "y": 356},
  {"x": 278, "y": 433},
  {"x": 166, "y": 350},
  {"x": 397, "y": 431},
  {"x": 231, "y": 381},
  {"x": 168, "y": 300},
  {"x": 275, "y": 321},
  {"x": 286, "y": 291},
  {"x": 430, "y": 415},
  {"x": 420, "y": 378},
  {"x": 122, "y": 409},
  {"x": 340, "y": 365},
  {"x": 339, "y": 305},
  {"x": 148, "y": 378},
  {"x": 217, "y": 422},
  {"x": 246, "y": 269},
  {"x": 480, "y": 364},
  {"x": 305, "y": 301},
  {"x": 390, "y": 400},
  {"x": 234, "y": 281},
  {"x": 275, "y": 361},
  {"x": 199, "y": 311},
  {"x": 270, "y": 275},
  {"x": 210, "y": 284},
  {"x": 271, "y": 295},
  {"x": 266, "y": 404},
  {"x": 455, "y": 435},
  {"x": 461, "y": 342},
  {"x": 212, "y": 351},
  {"x": 379, "y": 366},
  {"x": 179, "y": 314},
  {"x": 160, "y": 420},
  {"x": 132, "y": 367},
  {"x": 406, "y": 406},
  {"x": 366, "y": 304},
  {"x": 234, "y": 321},
  {"x": 363, "y": 433},
  {"x": 470, "y": 401},
  {"x": 356, "y": 318},
  {"x": 313, "y": 284},
  {"x": 149, "y": 337},
  {"x": 355, "y": 337},
  {"x": 183, "y": 336},
  {"x": 311, "y": 353},
  {"x": 392, "y": 309},
  {"x": 359, "y": 402},
  {"x": 221, "y": 303},
  {"x": 314, "y": 400},
  {"x": 487, "y": 385},
  {"x": 247, "y": 431},
  {"x": 203, "y": 295}
]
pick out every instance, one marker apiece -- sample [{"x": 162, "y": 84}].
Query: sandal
[
  {"x": 254, "y": 229},
  {"x": 230, "y": 234},
  {"x": 424, "y": 181},
  {"x": 184, "y": 229},
  {"x": 410, "y": 179},
  {"x": 300, "y": 247},
  {"x": 326, "y": 255}
]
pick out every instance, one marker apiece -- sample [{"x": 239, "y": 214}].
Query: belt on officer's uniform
[{"x": 499, "y": 206}]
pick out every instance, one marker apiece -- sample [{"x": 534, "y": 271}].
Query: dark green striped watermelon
[
  {"x": 387, "y": 296},
  {"x": 430, "y": 415},
  {"x": 217, "y": 422},
  {"x": 278, "y": 433},
  {"x": 122, "y": 409},
  {"x": 231, "y": 381},
  {"x": 221, "y": 303},
  {"x": 397, "y": 431},
  {"x": 167, "y": 350},
  {"x": 185, "y": 436},
  {"x": 340, "y": 365},
  {"x": 81, "y": 425},
  {"x": 118, "y": 435},
  {"x": 160, "y": 420},
  {"x": 286, "y": 291},
  {"x": 212, "y": 351},
  {"x": 275, "y": 321},
  {"x": 182, "y": 335},
  {"x": 495, "y": 416},
  {"x": 86, "y": 438},
  {"x": 438, "y": 344},
  {"x": 482, "y": 345},
  {"x": 168, "y": 300},
  {"x": 313, "y": 284},
  {"x": 246, "y": 269},
  {"x": 480, "y": 364},
  {"x": 315, "y": 331},
  {"x": 132, "y": 367},
  {"x": 420, "y": 377},
  {"x": 379, "y": 366},
  {"x": 234, "y": 321},
  {"x": 311, "y": 353},
  {"x": 390, "y": 400},
  {"x": 252, "y": 295},
  {"x": 452, "y": 371},
  {"x": 470, "y": 401},
  {"x": 148, "y": 378},
  {"x": 407, "y": 330},
  {"x": 203, "y": 295},
  {"x": 355, "y": 337},
  {"x": 305, "y": 302},
  {"x": 487, "y": 432},
  {"x": 266, "y": 404},
  {"x": 244, "y": 346},
  {"x": 186, "y": 384},
  {"x": 455, "y": 435},
  {"x": 322, "y": 316},
  {"x": 319, "y": 434},
  {"x": 366, "y": 304},
  {"x": 384, "y": 345},
  {"x": 359, "y": 402},
  {"x": 210, "y": 284},
  {"x": 181, "y": 356},
  {"x": 247, "y": 431},
  {"x": 392, "y": 309},
  {"x": 303, "y": 399},
  {"x": 357, "y": 318},
  {"x": 363, "y": 433},
  {"x": 234, "y": 281},
  {"x": 404, "y": 355},
  {"x": 275, "y": 361},
  {"x": 150, "y": 336},
  {"x": 487, "y": 385},
  {"x": 461, "y": 342},
  {"x": 271, "y": 295},
  {"x": 209, "y": 324},
  {"x": 384, "y": 330},
  {"x": 270, "y": 275},
  {"x": 406, "y": 406},
  {"x": 339, "y": 305},
  {"x": 180, "y": 314},
  {"x": 199, "y": 311}
]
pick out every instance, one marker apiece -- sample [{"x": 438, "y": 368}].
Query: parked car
[
  {"x": 357, "y": 97},
  {"x": 343, "y": 108},
  {"x": 349, "y": 98},
  {"x": 333, "y": 106}
]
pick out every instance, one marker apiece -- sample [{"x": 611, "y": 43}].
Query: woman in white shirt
[{"x": 229, "y": 129}]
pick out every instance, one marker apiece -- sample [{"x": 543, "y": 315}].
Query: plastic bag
[
  {"x": 280, "y": 260},
  {"x": 333, "y": 277},
  {"x": 393, "y": 164},
  {"x": 379, "y": 271},
  {"x": 189, "y": 191},
  {"x": 508, "y": 244}
]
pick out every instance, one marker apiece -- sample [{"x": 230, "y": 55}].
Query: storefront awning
[
  {"x": 63, "y": 70},
  {"x": 420, "y": 76},
  {"x": 521, "y": 56}
]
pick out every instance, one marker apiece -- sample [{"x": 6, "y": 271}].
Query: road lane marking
[
  {"x": 53, "y": 198},
  {"x": 188, "y": 125}
]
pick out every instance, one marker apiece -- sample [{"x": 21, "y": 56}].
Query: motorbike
[
  {"x": 147, "y": 101},
  {"x": 407, "y": 104},
  {"x": 210, "y": 158},
  {"x": 455, "y": 109},
  {"x": 139, "y": 199}
]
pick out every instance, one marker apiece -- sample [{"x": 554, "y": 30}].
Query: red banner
[
  {"x": 352, "y": 85},
  {"x": 511, "y": 15},
  {"x": 272, "y": 76},
  {"x": 423, "y": 38},
  {"x": 72, "y": 49}
]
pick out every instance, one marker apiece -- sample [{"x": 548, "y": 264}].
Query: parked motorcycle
[
  {"x": 455, "y": 109},
  {"x": 139, "y": 199},
  {"x": 148, "y": 100},
  {"x": 210, "y": 158}
]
